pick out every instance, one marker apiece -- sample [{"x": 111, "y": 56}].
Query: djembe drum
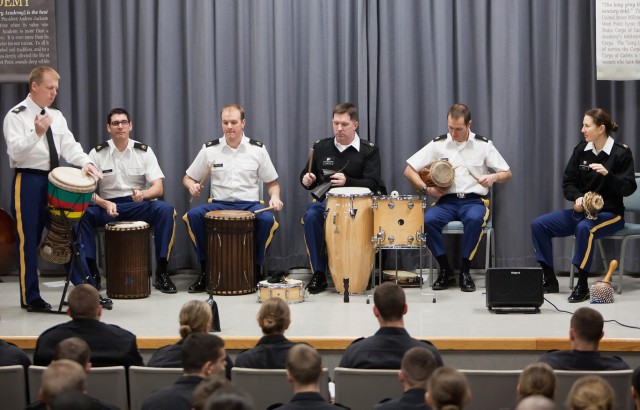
[
  {"x": 127, "y": 259},
  {"x": 439, "y": 174}
]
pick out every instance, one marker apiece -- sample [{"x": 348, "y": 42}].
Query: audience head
[
  {"x": 447, "y": 389},
  {"x": 274, "y": 316},
  {"x": 61, "y": 376},
  {"x": 229, "y": 398},
  {"x": 417, "y": 365},
  {"x": 601, "y": 117},
  {"x": 586, "y": 327},
  {"x": 206, "y": 388},
  {"x": 635, "y": 387},
  {"x": 536, "y": 402},
  {"x": 73, "y": 348},
  {"x": 389, "y": 301},
  {"x": 195, "y": 316},
  {"x": 203, "y": 354},
  {"x": 591, "y": 393},
  {"x": 84, "y": 302},
  {"x": 537, "y": 379},
  {"x": 74, "y": 400},
  {"x": 304, "y": 365}
]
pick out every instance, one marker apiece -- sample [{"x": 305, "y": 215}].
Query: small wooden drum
[
  {"x": 404, "y": 277},
  {"x": 69, "y": 194},
  {"x": 291, "y": 292},
  {"x": 398, "y": 220},
  {"x": 439, "y": 174},
  {"x": 347, "y": 226},
  {"x": 230, "y": 252},
  {"x": 127, "y": 259}
]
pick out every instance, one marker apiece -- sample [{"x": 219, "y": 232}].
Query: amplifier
[{"x": 518, "y": 289}]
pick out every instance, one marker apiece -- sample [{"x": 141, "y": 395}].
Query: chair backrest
[
  {"x": 492, "y": 389},
  {"x": 620, "y": 380},
  {"x": 145, "y": 380},
  {"x": 269, "y": 386},
  {"x": 13, "y": 394},
  {"x": 35, "y": 380},
  {"x": 361, "y": 389},
  {"x": 632, "y": 202}
]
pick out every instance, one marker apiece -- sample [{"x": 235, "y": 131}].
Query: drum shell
[
  {"x": 350, "y": 252},
  {"x": 400, "y": 219},
  {"x": 291, "y": 292},
  {"x": 127, "y": 261},
  {"x": 69, "y": 192},
  {"x": 230, "y": 252}
]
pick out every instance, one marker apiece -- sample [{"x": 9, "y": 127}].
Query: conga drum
[
  {"x": 69, "y": 194},
  {"x": 127, "y": 259},
  {"x": 230, "y": 252},
  {"x": 398, "y": 220},
  {"x": 347, "y": 228}
]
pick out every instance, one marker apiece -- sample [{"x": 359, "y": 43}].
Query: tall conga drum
[
  {"x": 127, "y": 259},
  {"x": 348, "y": 226},
  {"x": 230, "y": 252}
]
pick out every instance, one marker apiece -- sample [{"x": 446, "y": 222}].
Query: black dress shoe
[
  {"x": 199, "y": 285},
  {"x": 466, "y": 283},
  {"x": 38, "y": 305},
  {"x": 580, "y": 294},
  {"x": 444, "y": 280},
  {"x": 550, "y": 284},
  {"x": 164, "y": 283},
  {"x": 106, "y": 303},
  {"x": 318, "y": 282}
]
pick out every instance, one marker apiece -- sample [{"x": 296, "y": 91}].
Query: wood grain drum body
[
  {"x": 127, "y": 259},
  {"x": 291, "y": 292},
  {"x": 348, "y": 223},
  {"x": 230, "y": 252},
  {"x": 398, "y": 220}
]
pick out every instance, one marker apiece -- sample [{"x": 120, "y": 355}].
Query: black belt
[
  {"x": 32, "y": 171},
  {"x": 464, "y": 195}
]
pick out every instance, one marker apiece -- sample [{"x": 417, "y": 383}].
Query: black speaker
[{"x": 517, "y": 289}]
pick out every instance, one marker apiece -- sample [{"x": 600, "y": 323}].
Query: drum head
[
  {"x": 349, "y": 191},
  {"x": 442, "y": 174},
  {"x": 126, "y": 226},
  {"x": 230, "y": 214},
  {"x": 72, "y": 180}
]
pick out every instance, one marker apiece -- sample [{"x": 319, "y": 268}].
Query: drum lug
[
  {"x": 335, "y": 226},
  {"x": 410, "y": 204},
  {"x": 352, "y": 213},
  {"x": 380, "y": 236},
  {"x": 391, "y": 204},
  {"x": 375, "y": 204},
  {"x": 326, "y": 213},
  {"x": 391, "y": 238},
  {"x": 410, "y": 239}
]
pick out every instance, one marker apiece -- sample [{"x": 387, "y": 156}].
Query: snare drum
[
  {"x": 348, "y": 222},
  {"x": 291, "y": 292},
  {"x": 397, "y": 221},
  {"x": 230, "y": 252},
  {"x": 127, "y": 259}
]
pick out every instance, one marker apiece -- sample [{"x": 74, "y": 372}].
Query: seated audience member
[
  {"x": 203, "y": 354},
  {"x": 447, "y": 389},
  {"x": 537, "y": 379},
  {"x": 635, "y": 387},
  {"x": 585, "y": 334},
  {"x": 11, "y": 354},
  {"x": 206, "y": 388},
  {"x": 110, "y": 345},
  {"x": 536, "y": 402},
  {"x": 229, "y": 398},
  {"x": 274, "y": 317},
  {"x": 385, "y": 349},
  {"x": 75, "y": 400},
  {"x": 591, "y": 393},
  {"x": 60, "y": 376},
  {"x": 417, "y": 365}
]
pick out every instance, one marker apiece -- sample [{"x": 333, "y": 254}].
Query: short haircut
[
  {"x": 229, "y": 398},
  {"x": 346, "y": 108},
  {"x": 274, "y": 316},
  {"x": 417, "y": 365},
  {"x": 206, "y": 388},
  {"x": 536, "y": 402},
  {"x": 61, "y": 376},
  {"x": 591, "y": 392},
  {"x": 587, "y": 323},
  {"x": 84, "y": 301},
  {"x": 537, "y": 379},
  {"x": 37, "y": 74},
  {"x": 448, "y": 387},
  {"x": 73, "y": 348},
  {"x": 236, "y": 107},
  {"x": 117, "y": 111},
  {"x": 195, "y": 316},
  {"x": 200, "y": 348},
  {"x": 390, "y": 300},
  {"x": 459, "y": 110},
  {"x": 304, "y": 364}
]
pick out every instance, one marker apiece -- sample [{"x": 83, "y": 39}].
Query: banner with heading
[{"x": 618, "y": 39}]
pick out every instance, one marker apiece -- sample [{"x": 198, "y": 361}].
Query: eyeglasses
[{"x": 118, "y": 123}]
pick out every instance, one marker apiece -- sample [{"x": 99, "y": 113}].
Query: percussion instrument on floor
[
  {"x": 127, "y": 251},
  {"x": 404, "y": 277},
  {"x": 602, "y": 291},
  {"x": 230, "y": 252},
  {"x": 69, "y": 194},
  {"x": 439, "y": 174},
  {"x": 348, "y": 222},
  {"x": 398, "y": 220},
  {"x": 291, "y": 291}
]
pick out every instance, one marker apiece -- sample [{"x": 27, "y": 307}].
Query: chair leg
[
  {"x": 603, "y": 256},
  {"x": 571, "y": 270}
]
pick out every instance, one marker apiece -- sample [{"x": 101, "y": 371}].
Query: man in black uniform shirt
[
  {"x": 385, "y": 349},
  {"x": 342, "y": 161},
  {"x": 585, "y": 334}
]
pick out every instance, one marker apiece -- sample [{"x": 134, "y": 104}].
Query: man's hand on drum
[
  {"x": 137, "y": 195},
  {"x": 487, "y": 180},
  {"x": 308, "y": 179},
  {"x": 436, "y": 192},
  {"x": 92, "y": 170},
  {"x": 338, "y": 179}
]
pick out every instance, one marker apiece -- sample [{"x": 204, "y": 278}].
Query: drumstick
[
  {"x": 263, "y": 210},
  {"x": 310, "y": 159},
  {"x": 204, "y": 178}
]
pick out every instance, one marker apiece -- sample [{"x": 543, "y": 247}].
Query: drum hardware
[
  {"x": 391, "y": 204},
  {"x": 335, "y": 227},
  {"x": 215, "y": 320},
  {"x": 289, "y": 290},
  {"x": 352, "y": 213}
]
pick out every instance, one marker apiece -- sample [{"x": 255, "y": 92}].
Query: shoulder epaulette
[
  {"x": 625, "y": 146},
  {"x": 440, "y": 137},
  {"x": 140, "y": 146},
  {"x": 481, "y": 138},
  {"x": 255, "y": 142},
  {"x": 19, "y": 109},
  {"x": 369, "y": 143},
  {"x": 102, "y": 146},
  {"x": 212, "y": 143},
  {"x": 322, "y": 141}
]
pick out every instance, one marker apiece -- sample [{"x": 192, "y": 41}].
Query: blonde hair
[
  {"x": 448, "y": 389},
  {"x": 37, "y": 73},
  {"x": 195, "y": 316},
  {"x": 537, "y": 379},
  {"x": 61, "y": 376},
  {"x": 591, "y": 393},
  {"x": 274, "y": 316}
]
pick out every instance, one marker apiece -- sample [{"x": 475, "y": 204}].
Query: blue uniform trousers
[{"x": 313, "y": 221}]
